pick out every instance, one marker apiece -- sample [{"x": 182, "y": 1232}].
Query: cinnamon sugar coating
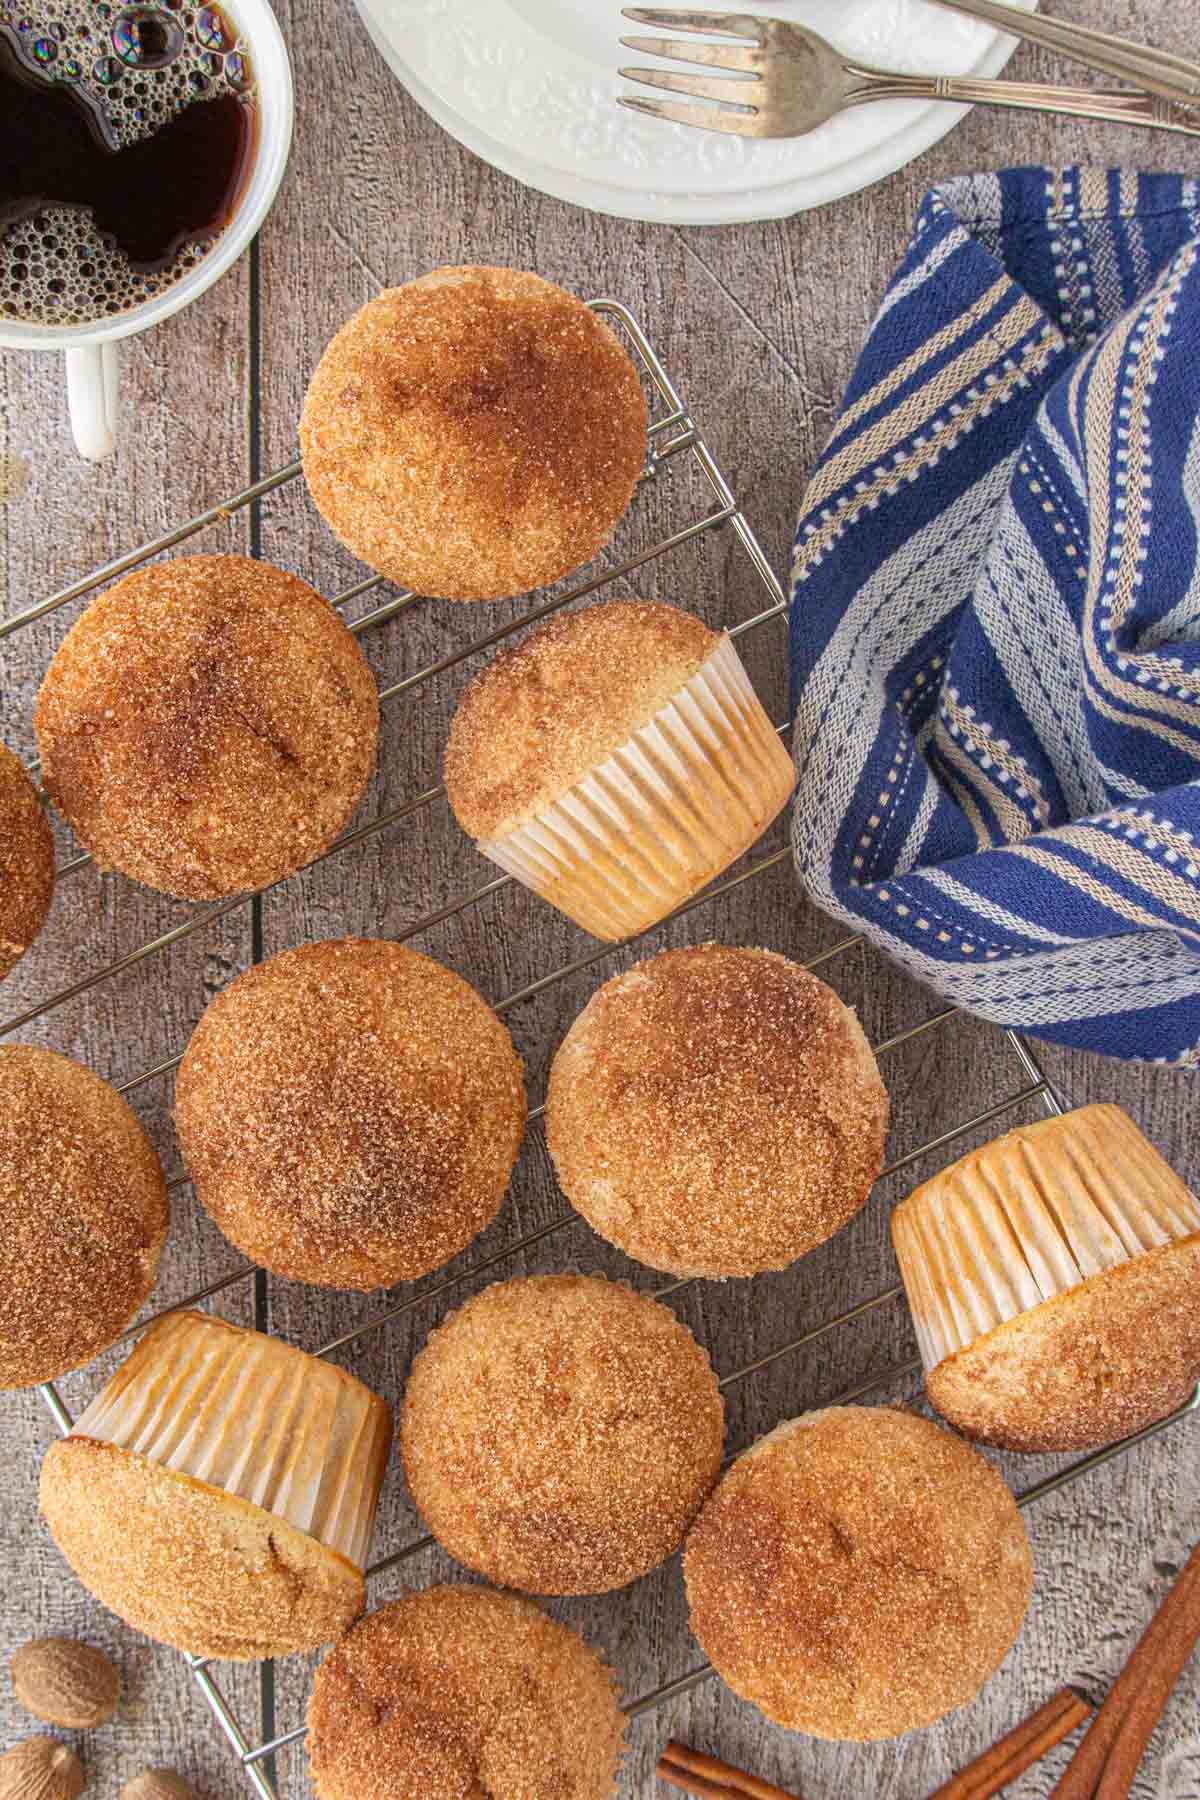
[
  {"x": 350, "y": 1113},
  {"x": 191, "y": 1566},
  {"x": 26, "y": 862},
  {"x": 1086, "y": 1367},
  {"x": 463, "y": 1694},
  {"x": 858, "y": 1573},
  {"x": 208, "y": 725},
  {"x": 547, "y": 709},
  {"x": 83, "y": 1215},
  {"x": 474, "y": 434},
  {"x": 560, "y": 1432},
  {"x": 716, "y": 1111}
]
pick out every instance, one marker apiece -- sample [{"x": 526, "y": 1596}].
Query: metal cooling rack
[{"x": 673, "y": 431}]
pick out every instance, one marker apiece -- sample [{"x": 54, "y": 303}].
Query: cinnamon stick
[
  {"x": 1019, "y": 1749},
  {"x": 1147, "y": 1705},
  {"x": 710, "y": 1779},
  {"x": 1157, "y": 1652}
]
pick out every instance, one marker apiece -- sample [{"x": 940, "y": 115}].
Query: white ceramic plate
[{"x": 530, "y": 86}]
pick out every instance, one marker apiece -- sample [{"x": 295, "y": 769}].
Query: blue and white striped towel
[{"x": 995, "y": 619}]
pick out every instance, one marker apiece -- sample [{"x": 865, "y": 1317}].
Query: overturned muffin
[
  {"x": 26, "y": 862},
  {"x": 1054, "y": 1282},
  {"x": 716, "y": 1111},
  {"x": 614, "y": 761},
  {"x": 208, "y": 725},
  {"x": 350, "y": 1113},
  {"x": 560, "y": 1432},
  {"x": 219, "y": 1493},
  {"x": 474, "y": 434},
  {"x": 83, "y": 1215},
  {"x": 858, "y": 1573},
  {"x": 460, "y": 1693}
]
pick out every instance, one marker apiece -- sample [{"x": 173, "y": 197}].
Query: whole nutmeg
[
  {"x": 65, "y": 1683},
  {"x": 40, "y": 1769},
  {"x": 158, "y": 1784}
]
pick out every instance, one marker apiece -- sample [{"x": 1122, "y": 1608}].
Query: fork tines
[
  {"x": 676, "y": 18},
  {"x": 736, "y": 97}
]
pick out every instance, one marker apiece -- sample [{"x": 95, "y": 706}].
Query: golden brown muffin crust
[
  {"x": 201, "y": 1570},
  {"x": 350, "y": 1113},
  {"x": 548, "y": 709},
  {"x": 858, "y": 1573},
  {"x": 83, "y": 1215},
  {"x": 559, "y": 1433},
  {"x": 716, "y": 1111},
  {"x": 463, "y": 1694},
  {"x": 474, "y": 434},
  {"x": 1087, "y": 1367},
  {"x": 26, "y": 862},
  {"x": 208, "y": 725}
]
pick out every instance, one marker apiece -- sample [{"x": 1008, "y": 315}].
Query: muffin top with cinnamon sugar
[
  {"x": 560, "y": 1432},
  {"x": 474, "y": 434},
  {"x": 459, "y": 1693},
  {"x": 858, "y": 1573},
  {"x": 549, "y": 708},
  {"x": 716, "y": 1111},
  {"x": 26, "y": 862},
  {"x": 83, "y": 1214},
  {"x": 208, "y": 725},
  {"x": 350, "y": 1112}
]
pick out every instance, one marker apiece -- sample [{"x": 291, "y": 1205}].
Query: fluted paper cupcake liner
[
  {"x": 659, "y": 818},
  {"x": 256, "y": 1418},
  {"x": 1029, "y": 1217}
]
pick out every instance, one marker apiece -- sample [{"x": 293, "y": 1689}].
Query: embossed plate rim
[{"x": 838, "y": 179}]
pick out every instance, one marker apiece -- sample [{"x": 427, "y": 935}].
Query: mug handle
[{"x": 93, "y": 378}]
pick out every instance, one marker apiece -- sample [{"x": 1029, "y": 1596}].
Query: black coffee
[{"x": 126, "y": 137}]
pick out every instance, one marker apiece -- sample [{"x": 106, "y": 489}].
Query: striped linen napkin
[{"x": 995, "y": 621}]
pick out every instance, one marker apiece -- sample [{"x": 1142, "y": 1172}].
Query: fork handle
[
  {"x": 1023, "y": 96},
  {"x": 1157, "y": 71}
]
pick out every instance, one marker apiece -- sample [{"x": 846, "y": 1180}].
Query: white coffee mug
[{"x": 92, "y": 354}]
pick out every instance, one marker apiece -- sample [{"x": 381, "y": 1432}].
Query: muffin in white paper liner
[
  {"x": 682, "y": 798},
  {"x": 1054, "y": 1282},
  {"x": 256, "y": 1418}
]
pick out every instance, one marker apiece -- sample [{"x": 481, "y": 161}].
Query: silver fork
[
  {"x": 1158, "y": 71},
  {"x": 783, "y": 80}
]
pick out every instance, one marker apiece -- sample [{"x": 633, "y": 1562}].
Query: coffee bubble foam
[{"x": 139, "y": 67}]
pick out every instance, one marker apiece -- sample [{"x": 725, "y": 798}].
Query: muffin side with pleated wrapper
[
  {"x": 615, "y": 761},
  {"x": 253, "y": 1471},
  {"x": 1054, "y": 1282}
]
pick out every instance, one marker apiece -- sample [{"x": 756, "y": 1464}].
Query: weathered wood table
[{"x": 759, "y": 326}]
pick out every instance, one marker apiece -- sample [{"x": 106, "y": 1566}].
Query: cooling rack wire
[{"x": 673, "y": 432}]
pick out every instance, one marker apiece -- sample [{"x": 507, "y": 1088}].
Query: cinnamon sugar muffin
[
  {"x": 614, "y": 761},
  {"x": 459, "y": 1693},
  {"x": 252, "y": 1473},
  {"x": 858, "y": 1573},
  {"x": 208, "y": 725},
  {"x": 26, "y": 862},
  {"x": 83, "y": 1215},
  {"x": 474, "y": 434},
  {"x": 350, "y": 1113},
  {"x": 1054, "y": 1282},
  {"x": 716, "y": 1111},
  {"x": 560, "y": 1432}
]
